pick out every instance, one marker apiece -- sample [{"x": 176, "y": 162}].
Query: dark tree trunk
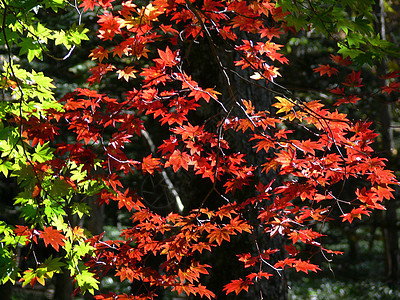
[
  {"x": 63, "y": 287},
  {"x": 96, "y": 219},
  {"x": 225, "y": 263},
  {"x": 6, "y": 291},
  {"x": 276, "y": 287}
]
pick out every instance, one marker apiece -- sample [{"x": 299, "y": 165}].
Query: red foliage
[
  {"x": 53, "y": 237},
  {"x": 326, "y": 69},
  {"x": 335, "y": 150}
]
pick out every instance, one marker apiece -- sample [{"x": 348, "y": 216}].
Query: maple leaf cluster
[{"x": 304, "y": 171}]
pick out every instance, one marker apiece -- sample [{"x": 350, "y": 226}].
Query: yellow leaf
[
  {"x": 127, "y": 72},
  {"x": 41, "y": 280},
  {"x": 284, "y": 105}
]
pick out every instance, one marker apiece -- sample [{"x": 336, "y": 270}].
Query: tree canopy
[{"x": 193, "y": 95}]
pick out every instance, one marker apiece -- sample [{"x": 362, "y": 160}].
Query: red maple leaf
[
  {"x": 349, "y": 99},
  {"x": 340, "y": 60},
  {"x": 88, "y": 4},
  {"x": 292, "y": 250},
  {"x": 390, "y": 75},
  {"x": 237, "y": 286},
  {"x": 167, "y": 57},
  {"x": 220, "y": 235},
  {"x": 203, "y": 291},
  {"x": 53, "y": 237},
  {"x": 308, "y": 146},
  {"x": 305, "y": 266},
  {"x": 337, "y": 91},
  {"x": 326, "y": 69},
  {"x": 270, "y": 32},
  {"x": 392, "y": 87},
  {"x": 247, "y": 259},
  {"x": 24, "y": 231},
  {"x": 150, "y": 164},
  {"x": 285, "y": 158},
  {"x": 264, "y": 143},
  {"x": 355, "y": 213},
  {"x": 259, "y": 275},
  {"x": 177, "y": 160},
  {"x": 354, "y": 79},
  {"x": 99, "y": 53}
]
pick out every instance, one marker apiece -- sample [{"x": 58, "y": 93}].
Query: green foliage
[
  {"x": 86, "y": 282},
  {"x": 25, "y": 36},
  {"x": 46, "y": 270},
  {"x": 74, "y": 36},
  {"x": 350, "y": 23}
]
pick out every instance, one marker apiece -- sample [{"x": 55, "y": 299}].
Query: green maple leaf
[
  {"x": 31, "y": 47},
  {"x": 86, "y": 282}
]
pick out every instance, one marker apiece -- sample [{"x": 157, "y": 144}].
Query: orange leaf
[
  {"x": 259, "y": 275},
  {"x": 36, "y": 190},
  {"x": 126, "y": 73},
  {"x": 99, "y": 53},
  {"x": 237, "y": 286},
  {"x": 340, "y": 60},
  {"x": 150, "y": 164},
  {"x": 219, "y": 235},
  {"x": 326, "y": 69},
  {"x": 178, "y": 159},
  {"x": 167, "y": 57},
  {"x": 305, "y": 266},
  {"x": 53, "y": 237},
  {"x": 355, "y": 213}
]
